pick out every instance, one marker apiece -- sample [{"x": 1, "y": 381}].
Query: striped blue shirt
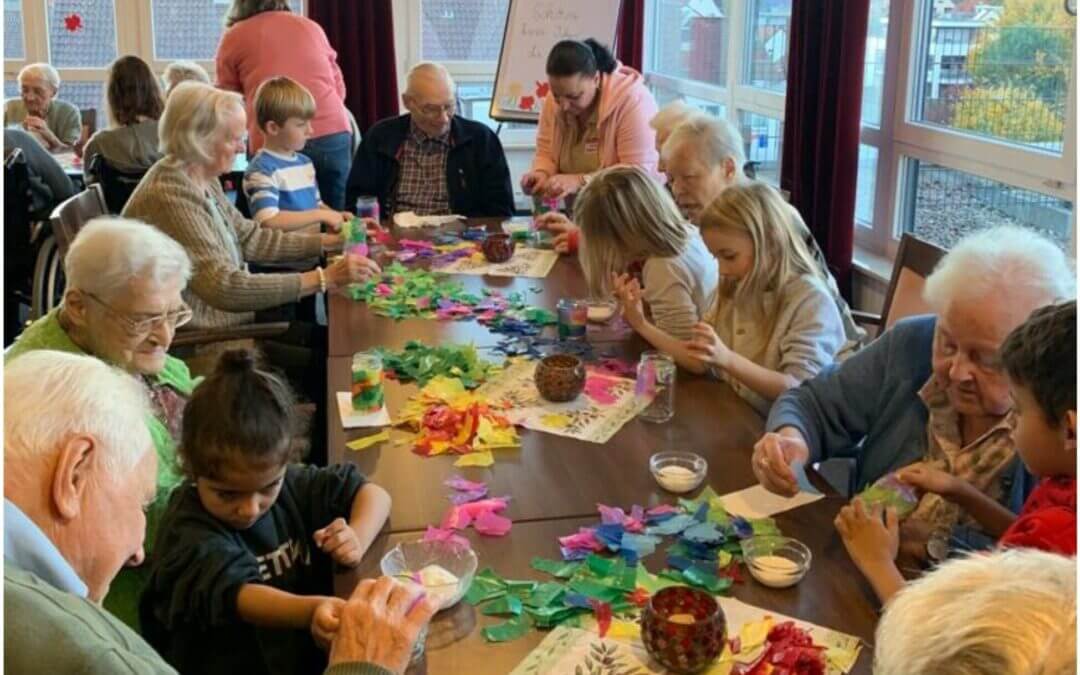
[{"x": 276, "y": 183}]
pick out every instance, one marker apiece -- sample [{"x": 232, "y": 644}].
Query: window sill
[{"x": 872, "y": 265}]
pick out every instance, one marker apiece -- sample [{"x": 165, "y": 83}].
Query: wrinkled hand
[
  {"x": 533, "y": 182},
  {"x": 772, "y": 458},
  {"x": 561, "y": 226},
  {"x": 339, "y": 541},
  {"x": 325, "y": 621},
  {"x": 871, "y": 537},
  {"x": 628, "y": 292},
  {"x": 351, "y": 269},
  {"x": 930, "y": 479},
  {"x": 380, "y": 623},
  {"x": 35, "y": 123},
  {"x": 706, "y": 346},
  {"x": 562, "y": 184}
]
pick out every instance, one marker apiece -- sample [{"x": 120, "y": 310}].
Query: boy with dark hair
[{"x": 1039, "y": 357}]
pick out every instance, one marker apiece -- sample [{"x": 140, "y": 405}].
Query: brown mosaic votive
[{"x": 683, "y": 628}]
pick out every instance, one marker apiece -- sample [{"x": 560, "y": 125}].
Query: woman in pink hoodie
[{"x": 596, "y": 115}]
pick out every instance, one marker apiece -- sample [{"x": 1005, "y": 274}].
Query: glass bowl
[
  {"x": 419, "y": 562},
  {"x": 601, "y": 311},
  {"x": 777, "y": 562},
  {"x": 678, "y": 472},
  {"x": 683, "y": 628}
]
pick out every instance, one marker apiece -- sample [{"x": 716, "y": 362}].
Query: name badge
[{"x": 592, "y": 145}]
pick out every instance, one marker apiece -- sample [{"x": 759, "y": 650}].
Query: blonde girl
[
  {"x": 774, "y": 322},
  {"x": 627, "y": 221}
]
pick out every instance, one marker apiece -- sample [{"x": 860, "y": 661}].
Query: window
[
  {"x": 456, "y": 30},
  {"x": 727, "y": 58},
  {"x": 13, "y": 30},
  {"x": 976, "y": 129},
  {"x": 82, "y": 33}
]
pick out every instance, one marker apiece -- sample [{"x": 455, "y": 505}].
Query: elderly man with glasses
[
  {"x": 431, "y": 160},
  {"x": 122, "y": 305}
]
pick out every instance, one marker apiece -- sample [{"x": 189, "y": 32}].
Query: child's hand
[
  {"x": 339, "y": 541},
  {"x": 707, "y": 346},
  {"x": 628, "y": 292},
  {"x": 333, "y": 219},
  {"x": 930, "y": 479},
  {"x": 870, "y": 541},
  {"x": 325, "y": 621}
]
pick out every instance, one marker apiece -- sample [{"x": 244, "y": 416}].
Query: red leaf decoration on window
[
  {"x": 542, "y": 89},
  {"x": 73, "y": 22},
  {"x": 526, "y": 102}
]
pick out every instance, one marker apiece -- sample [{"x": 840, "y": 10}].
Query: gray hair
[
  {"x": 193, "y": 119},
  {"x": 50, "y": 396},
  {"x": 109, "y": 251},
  {"x": 1012, "y": 611},
  {"x": 715, "y": 140},
  {"x": 245, "y": 9},
  {"x": 1001, "y": 263},
  {"x": 428, "y": 70},
  {"x": 670, "y": 116},
  {"x": 43, "y": 71},
  {"x": 182, "y": 71}
]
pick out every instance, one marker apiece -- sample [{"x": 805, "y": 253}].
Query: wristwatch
[{"x": 937, "y": 547}]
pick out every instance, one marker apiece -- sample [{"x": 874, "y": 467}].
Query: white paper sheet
[{"x": 351, "y": 419}]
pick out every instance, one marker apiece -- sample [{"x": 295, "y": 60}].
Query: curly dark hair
[
  {"x": 1040, "y": 355},
  {"x": 132, "y": 90},
  {"x": 240, "y": 412}
]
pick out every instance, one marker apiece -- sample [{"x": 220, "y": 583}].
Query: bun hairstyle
[
  {"x": 576, "y": 57},
  {"x": 241, "y": 414}
]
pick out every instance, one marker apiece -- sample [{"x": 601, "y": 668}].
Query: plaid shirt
[{"x": 422, "y": 182}]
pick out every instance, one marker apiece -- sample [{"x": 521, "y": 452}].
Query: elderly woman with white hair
[
  {"x": 665, "y": 121},
  {"x": 122, "y": 305},
  {"x": 54, "y": 123},
  {"x": 1007, "y": 612},
  {"x": 929, "y": 389}
]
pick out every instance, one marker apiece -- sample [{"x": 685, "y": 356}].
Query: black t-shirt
[{"x": 188, "y": 611}]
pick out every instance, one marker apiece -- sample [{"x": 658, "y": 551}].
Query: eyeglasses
[
  {"x": 436, "y": 110},
  {"x": 136, "y": 327}
]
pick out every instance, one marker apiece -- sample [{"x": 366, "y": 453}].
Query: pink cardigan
[
  {"x": 626, "y": 107},
  {"x": 282, "y": 43}
]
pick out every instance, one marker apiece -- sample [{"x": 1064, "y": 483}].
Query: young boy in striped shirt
[{"x": 280, "y": 181}]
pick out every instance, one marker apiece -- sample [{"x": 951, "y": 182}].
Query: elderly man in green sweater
[{"x": 79, "y": 470}]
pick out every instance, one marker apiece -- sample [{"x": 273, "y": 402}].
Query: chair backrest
[
  {"x": 18, "y": 203},
  {"x": 117, "y": 185},
  {"x": 915, "y": 260},
  {"x": 88, "y": 117},
  {"x": 74, "y": 212}
]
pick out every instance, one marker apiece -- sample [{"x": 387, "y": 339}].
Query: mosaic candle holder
[
  {"x": 367, "y": 382},
  {"x": 498, "y": 248},
  {"x": 683, "y": 628},
  {"x": 560, "y": 377},
  {"x": 354, "y": 233},
  {"x": 573, "y": 318},
  {"x": 367, "y": 207}
]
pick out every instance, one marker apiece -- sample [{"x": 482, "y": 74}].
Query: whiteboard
[{"x": 532, "y": 29}]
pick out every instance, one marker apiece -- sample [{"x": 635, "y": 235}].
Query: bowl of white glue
[
  {"x": 600, "y": 311},
  {"x": 443, "y": 569},
  {"x": 678, "y": 472},
  {"x": 777, "y": 562}
]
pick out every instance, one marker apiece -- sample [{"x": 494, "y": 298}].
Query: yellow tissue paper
[
  {"x": 490, "y": 437},
  {"x": 482, "y": 458},
  {"x": 368, "y": 441},
  {"x": 555, "y": 420}
]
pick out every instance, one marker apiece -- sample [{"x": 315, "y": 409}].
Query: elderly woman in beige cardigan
[{"x": 201, "y": 131}]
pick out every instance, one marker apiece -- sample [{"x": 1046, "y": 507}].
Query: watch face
[{"x": 937, "y": 548}]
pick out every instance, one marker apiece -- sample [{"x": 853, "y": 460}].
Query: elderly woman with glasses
[{"x": 123, "y": 306}]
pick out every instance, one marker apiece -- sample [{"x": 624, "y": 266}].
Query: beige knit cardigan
[{"x": 222, "y": 291}]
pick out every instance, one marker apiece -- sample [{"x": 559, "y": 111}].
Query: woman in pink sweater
[
  {"x": 596, "y": 115},
  {"x": 264, "y": 39}
]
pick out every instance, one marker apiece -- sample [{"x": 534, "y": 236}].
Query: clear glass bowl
[
  {"x": 678, "y": 472},
  {"x": 777, "y": 562},
  {"x": 601, "y": 311},
  {"x": 409, "y": 559}
]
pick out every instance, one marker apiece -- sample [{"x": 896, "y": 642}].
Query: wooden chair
[
  {"x": 915, "y": 260},
  {"x": 88, "y": 117}
]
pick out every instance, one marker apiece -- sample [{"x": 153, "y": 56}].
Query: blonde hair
[
  {"x": 780, "y": 253},
  {"x": 624, "y": 216},
  {"x": 670, "y": 116},
  {"x": 279, "y": 98},
  {"x": 193, "y": 118},
  {"x": 1012, "y": 611},
  {"x": 182, "y": 71},
  {"x": 714, "y": 141}
]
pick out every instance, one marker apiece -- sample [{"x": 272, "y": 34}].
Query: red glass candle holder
[
  {"x": 498, "y": 248},
  {"x": 683, "y": 628}
]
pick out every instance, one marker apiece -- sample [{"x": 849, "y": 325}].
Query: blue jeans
[{"x": 332, "y": 157}]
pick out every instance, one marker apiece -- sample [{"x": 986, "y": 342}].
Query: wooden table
[{"x": 555, "y": 482}]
